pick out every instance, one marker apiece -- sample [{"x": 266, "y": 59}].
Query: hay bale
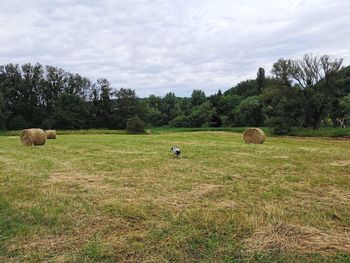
[
  {"x": 254, "y": 135},
  {"x": 50, "y": 134},
  {"x": 32, "y": 137},
  {"x": 149, "y": 132}
]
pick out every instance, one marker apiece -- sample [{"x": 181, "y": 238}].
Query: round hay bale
[
  {"x": 32, "y": 137},
  {"x": 50, "y": 134},
  {"x": 254, "y": 135},
  {"x": 149, "y": 132}
]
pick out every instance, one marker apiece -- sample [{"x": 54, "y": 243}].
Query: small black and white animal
[{"x": 176, "y": 151}]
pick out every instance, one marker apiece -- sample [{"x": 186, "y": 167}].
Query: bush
[
  {"x": 135, "y": 125},
  {"x": 180, "y": 122},
  {"x": 278, "y": 126}
]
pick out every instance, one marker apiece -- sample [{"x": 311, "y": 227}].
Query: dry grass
[
  {"x": 295, "y": 238},
  {"x": 108, "y": 198}
]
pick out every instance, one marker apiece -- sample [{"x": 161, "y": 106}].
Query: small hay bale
[
  {"x": 149, "y": 132},
  {"x": 254, "y": 135},
  {"x": 32, "y": 137},
  {"x": 50, "y": 134}
]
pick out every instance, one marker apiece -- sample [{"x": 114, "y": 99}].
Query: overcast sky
[{"x": 157, "y": 46}]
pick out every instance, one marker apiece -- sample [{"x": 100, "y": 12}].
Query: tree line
[{"x": 310, "y": 92}]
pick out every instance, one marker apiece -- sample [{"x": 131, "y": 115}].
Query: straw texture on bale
[
  {"x": 254, "y": 135},
  {"x": 51, "y": 134},
  {"x": 33, "y": 137}
]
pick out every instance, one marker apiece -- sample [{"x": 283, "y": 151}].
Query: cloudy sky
[{"x": 157, "y": 46}]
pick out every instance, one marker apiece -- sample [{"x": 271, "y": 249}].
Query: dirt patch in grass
[{"x": 289, "y": 238}]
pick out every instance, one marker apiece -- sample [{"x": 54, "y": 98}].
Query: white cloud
[{"x": 156, "y": 46}]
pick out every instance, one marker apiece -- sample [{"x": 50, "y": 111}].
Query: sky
[{"x": 158, "y": 46}]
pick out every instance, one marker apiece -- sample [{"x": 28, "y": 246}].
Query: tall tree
[
  {"x": 2, "y": 114},
  {"x": 261, "y": 80},
  {"x": 283, "y": 106},
  {"x": 282, "y": 70},
  {"x": 170, "y": 107},
  {"x": 127, "y": 106},
  {"x": 77, "y": 85},
  {"x": 53, "y": 87},
  {"x": 71, "y": 113},
  {"x": 198, "y": 97},
  {"x": 250, "y": 112},
  {"x": 103, "y": 91}
]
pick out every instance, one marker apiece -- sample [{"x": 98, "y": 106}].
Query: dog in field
[{"x": 176, "y": 151}]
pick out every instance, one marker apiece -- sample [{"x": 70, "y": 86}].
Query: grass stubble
[{"x": 107, "y": 198}]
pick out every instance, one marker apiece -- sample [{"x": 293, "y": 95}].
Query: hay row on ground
[
  {"x": 287, "y": 237},
  {"x": 32, "y": 137}
]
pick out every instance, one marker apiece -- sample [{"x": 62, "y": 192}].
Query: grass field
[{"x": 124, "y": 198}]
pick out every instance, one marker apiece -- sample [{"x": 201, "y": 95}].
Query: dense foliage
[
  {"x": 311, "y": 92},
  {"x": 135, "y": 125}
]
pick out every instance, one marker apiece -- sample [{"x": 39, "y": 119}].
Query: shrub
[
  {"x": 135, "y": 125},
  {"x": 180, "y": 122}
]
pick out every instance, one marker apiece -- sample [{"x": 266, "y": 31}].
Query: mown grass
[{"x": 112, "y": 198}]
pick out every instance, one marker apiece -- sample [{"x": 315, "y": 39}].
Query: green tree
[
  {"x": 283, "y": 106},
  {"x": 77, "y": 85},
  {"x": 52, "y": 88},
  {"x": 135, "y": 125},
  {"x": 282, "y": 70},
  {"x": 344, "y": 106},
  {"x": 198, "y": 97},
  {"x": 153, "y": 108},
  {"x": 226, "y": 109},
  {"x": 315, "y": 75},
  {"x": 244, "y": 89},
  {"x": 260, "y": 80},
  {"x": 180, "y": 121},
  {"x": 71, "y": 113},
  {"x": 170, "y": 107},
  {"x": 102, "y": 104},
  {"x": 250, "y": 112},
  {"x": 201, "y": 115},
  {"x": 127, "y": 106},
  {"x": 2, "y": 114},
  {"x": 32, "y": 108}
]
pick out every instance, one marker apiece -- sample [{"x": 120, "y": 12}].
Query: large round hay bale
[
  {"x": 33, "y": 137},
  {"x": 51, "y": 134},
  {"x": 254, "y": 135}
]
